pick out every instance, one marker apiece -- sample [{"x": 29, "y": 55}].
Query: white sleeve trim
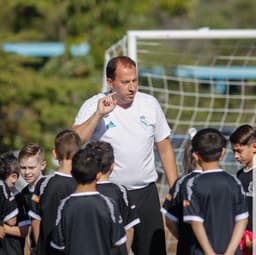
[
  {"x": 132, "y": 223},
  {"x": 11, "y": 215},
  {"x": 170, "y": 216},
  {"x": 242, "y": 216},
  {"x": 121, "y": 241},
  {"x": 24, "y": 223},
  {"x": 189, "y": 218},
  {"x": 34, "y": 215},
  {"x": 57, "y": 246}
]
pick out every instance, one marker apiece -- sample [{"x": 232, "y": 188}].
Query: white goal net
[{"x": 202, "y": 78}]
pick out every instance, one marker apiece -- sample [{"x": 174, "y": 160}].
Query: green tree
[
  {"x": 35, "y": 108},
  {"x": 36, "y": 104}
]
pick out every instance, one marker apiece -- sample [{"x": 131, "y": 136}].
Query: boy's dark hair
[
  {"x": 67, "y": 143},
  {"x": 112, "y": 65},
  {"x": 107, "y": 155},
  {"x": 243, "y": 135},
  {"x": 30, "y": 150},
  {"x": 208, "y": 143},
  {"x": 86, "y": 164},
  {"x": 8, "y": 165}
]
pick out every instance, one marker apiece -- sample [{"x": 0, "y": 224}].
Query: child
[
  {"x": 9, "y": 170},
  {"x": 243, "y": 143},
  {"x": 173, "y": 204},
  {"x": 54, "y": 188},
  {"x": 32, "y": 162},
  {"x": 117, "y": 192},
  {"x": 215, "y": 202},
  {"x": 15, "y": 235},
  {"x": 88, "y": 222}
]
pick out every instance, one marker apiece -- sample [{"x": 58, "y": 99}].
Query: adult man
[{"x": 132, "y": 122}]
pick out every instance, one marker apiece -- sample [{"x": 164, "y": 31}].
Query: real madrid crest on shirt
[{"x": 143, "y": 121}]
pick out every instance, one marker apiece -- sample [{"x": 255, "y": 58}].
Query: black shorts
[{"x": 149, "y": 238}]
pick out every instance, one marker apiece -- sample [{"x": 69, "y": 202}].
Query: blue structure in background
[
  {"x": 217, "y": 72},
  {"x": 45, "y": 49},
  {"x": 220, "y": 74}
]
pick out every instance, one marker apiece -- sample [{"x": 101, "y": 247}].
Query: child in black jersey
[
  {"x": 32, "y": 163},
  {"x": 173, "y": 204},
  {"x": 53, "y": 189},
  {"x": 14, "y": 240},
  {"x": 243, "y": 142},
  {"x": 88, "y": 222},
  {"x": 215, "y": 203},
  {"x": 117, "y": 192}
]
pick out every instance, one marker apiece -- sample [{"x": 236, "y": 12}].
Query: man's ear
[{"x": 110, "y": 83}]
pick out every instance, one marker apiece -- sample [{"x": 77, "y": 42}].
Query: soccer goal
[{"x": 202, "y": 78}]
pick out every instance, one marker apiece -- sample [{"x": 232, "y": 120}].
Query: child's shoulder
[
  {"x": 245, "y": 171},
  {"x": 4, "y": 191}
]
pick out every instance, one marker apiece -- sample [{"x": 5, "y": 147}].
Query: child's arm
[
  {"x": 35, "y": 229},
  {"x": 2, "y": 232},
  {"x": 172, "y": 227},
  {"x": 200, "y": 233},
  {"x": 16, "y": 230},
  {"x": 129, "y": 234},
  {"x": 236, "y": 236},
  {"x": 12, "y": 221}
]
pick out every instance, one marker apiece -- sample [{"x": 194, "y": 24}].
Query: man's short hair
[{"x": 112, "y": 65}]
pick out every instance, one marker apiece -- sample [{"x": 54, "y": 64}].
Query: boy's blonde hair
[{"x": 31, "y": 150}]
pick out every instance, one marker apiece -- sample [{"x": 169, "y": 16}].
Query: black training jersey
[
  {"x": 246, "y": 178},
  {"x": 88, "y": 223},
  {"x": 28, "y": 191},
  {"x": 173, "y": 209},
  {"x": 15, "y": 245},
  {"x": 216, "y": 199},
  {"x": 8, "y": 210},
  {"x": 53, "y": 189},
  {"x": 34, "y": 197},
  {"x": 120, "y": 195}
]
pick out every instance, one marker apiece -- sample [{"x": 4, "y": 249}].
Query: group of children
[
  {"x": 208, "y": 210},
  {"x": 73, "y": 209},
  {"x": 77, "y": 208}
]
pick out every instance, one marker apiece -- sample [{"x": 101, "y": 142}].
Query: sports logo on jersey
[
  {"x": 111, "y": 124},
  {"x": 143, "y": 121}
]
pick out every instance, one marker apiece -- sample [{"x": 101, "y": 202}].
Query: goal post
[{"x": 202, "y": 78}]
